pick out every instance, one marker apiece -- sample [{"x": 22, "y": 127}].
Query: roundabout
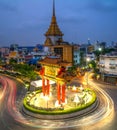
[
  {"x": 103, "y": 110},
  {"x": 61, "y": 99},
  {"x": 77, "y": 102}
]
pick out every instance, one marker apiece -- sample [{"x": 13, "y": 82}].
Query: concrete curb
[{"x": 81, "y": 113}]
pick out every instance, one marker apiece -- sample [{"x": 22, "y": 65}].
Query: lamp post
[
  {"x": 100, "y": 49},
  {"x": 76, "y": 99},
  {"x": 47, "y": 98},
  {"x": 87, "y": 60},
  {"x": 102, "y": 67}
]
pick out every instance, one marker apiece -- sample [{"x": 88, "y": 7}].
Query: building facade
[
  {"x": 54, "y": 43},
  {"x": 108, "y": 68},
  {"x": 76, "y": 53}
]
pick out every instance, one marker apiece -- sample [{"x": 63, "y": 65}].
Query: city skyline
[{"x": 25, "y": 22}]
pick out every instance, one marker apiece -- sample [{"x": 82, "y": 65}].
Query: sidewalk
[{"x": 105, "y": 83}]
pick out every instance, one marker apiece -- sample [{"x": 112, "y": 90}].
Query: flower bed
[{"x": 58, "y": 111}]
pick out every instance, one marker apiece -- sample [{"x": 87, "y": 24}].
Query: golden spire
[
  {"x": 53, "y": 29},
  {"x": 53, "y": 8}
]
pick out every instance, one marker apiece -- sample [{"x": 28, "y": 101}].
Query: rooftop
[{"x": 53, "y": 60}]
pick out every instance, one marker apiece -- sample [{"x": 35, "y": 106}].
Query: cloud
[
  {"x": 7, "y": 7},
  {"x": 27, "y": 20},
  {"x": 102, "y": 5}
]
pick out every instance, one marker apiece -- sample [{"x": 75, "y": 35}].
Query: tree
[
  {"x": 97, "y": 54},
  {"x": 26, "y": 71},
  {"x": 73, "y": 70},
  {"x": 103, "y": 52},
  {"x": 12, "y": 61},
  {"x": 82, "y": 60},
  {"x": 93, "y": 65}
]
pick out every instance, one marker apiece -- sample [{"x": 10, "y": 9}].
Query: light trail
[
  {"x": 105, "y": 111},
  {"x": 4, "y": 88},
  {"x": 11, "y": 104}
]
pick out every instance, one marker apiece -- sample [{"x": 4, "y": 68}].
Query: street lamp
[
  {"x": 102, "y": 67},
  {"x": 81, "y": 87},
  {"x": 100, "y": 49},
  {"x": 76, "y": 99},
  {"x": 47, "y": 98},
  {"x": 87, "y": 60}
]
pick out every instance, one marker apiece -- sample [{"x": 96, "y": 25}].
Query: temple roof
[
  {"x": 48, "y": 42},
  {"x": 65, "y": 76},
  {"x": 54, "y": 61},
  {"x": 53, "y": 29}
]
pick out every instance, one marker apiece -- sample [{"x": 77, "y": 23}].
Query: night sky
[{"x": 25, "y": 21}]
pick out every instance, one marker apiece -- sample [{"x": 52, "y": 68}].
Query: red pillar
[
  {"x": 63, "y": 93},
  {"x": 58, "y": 92},
  {"x": 42, "y": 72},
  {"x": 43, "y": 86},
  {"x": 48, "y": 87}
]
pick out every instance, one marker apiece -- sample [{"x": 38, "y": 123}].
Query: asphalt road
[{"x": 11, "y": 117}]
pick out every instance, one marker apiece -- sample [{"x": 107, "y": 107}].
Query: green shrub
[{"x": 49, "y": 111}]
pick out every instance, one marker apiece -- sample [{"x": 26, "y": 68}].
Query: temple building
[
  {"x": 54, "y": 69},
  {"x": 54, "y": 42},
  {"x": 58, "y": 60}
]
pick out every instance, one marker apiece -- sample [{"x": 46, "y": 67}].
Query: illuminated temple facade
[
  {"x": 60, "y": 57},
  {"x": 54, "y": 69},
  {"x": 54, "y": 41}
]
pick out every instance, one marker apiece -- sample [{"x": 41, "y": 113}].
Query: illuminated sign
[
  {"x": 13, "y": 54},
  {"x": 51, "y": 71}
]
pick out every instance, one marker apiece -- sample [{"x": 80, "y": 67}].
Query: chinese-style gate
[{"x": 52, "y": 70}]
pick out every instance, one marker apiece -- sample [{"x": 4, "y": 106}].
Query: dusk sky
[{"x": 25, "y": 21}]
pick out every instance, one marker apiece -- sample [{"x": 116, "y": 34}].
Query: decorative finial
[
  {"x": 53, "y": 29},
  {"x": 53, "y": 8}
]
